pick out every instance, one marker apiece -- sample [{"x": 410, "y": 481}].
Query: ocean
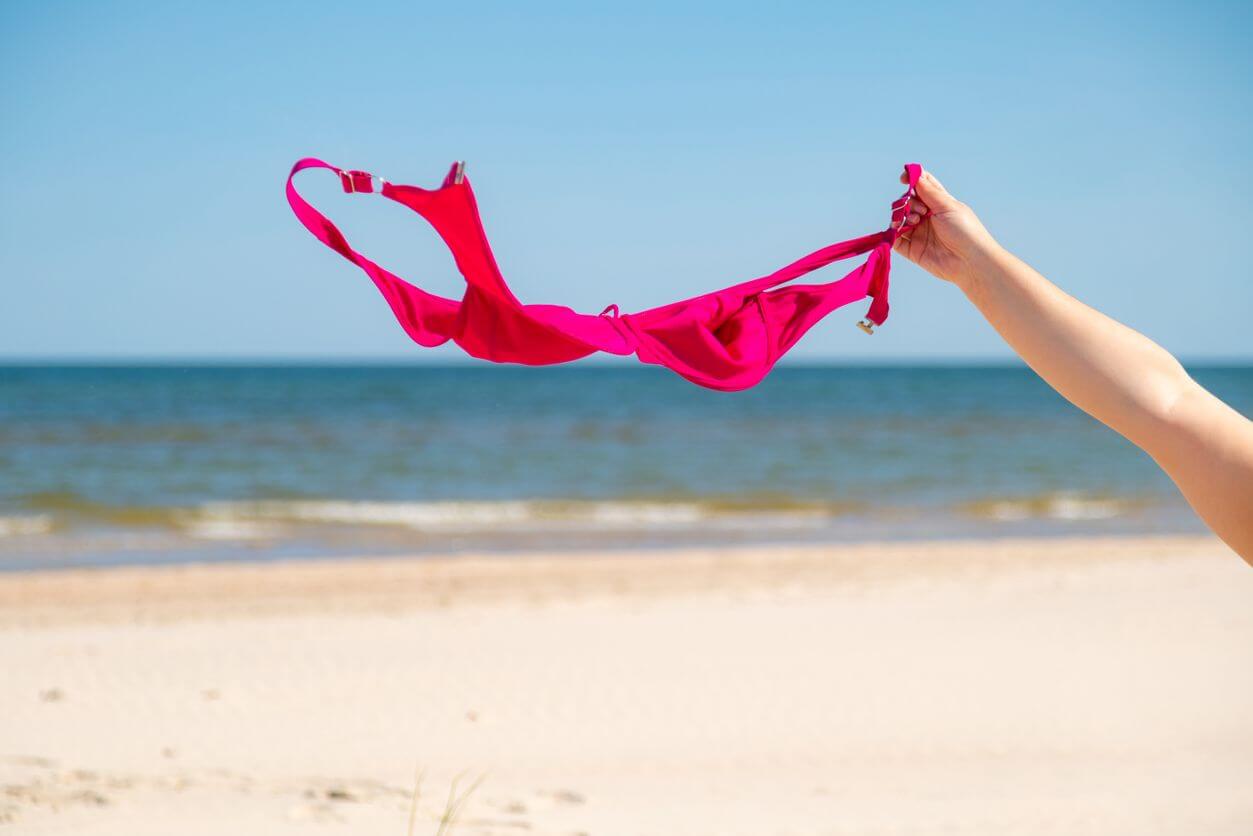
[{"x": 166, "y": 463}]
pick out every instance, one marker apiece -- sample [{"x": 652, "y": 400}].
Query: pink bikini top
[{"x": 727, "y": 340}]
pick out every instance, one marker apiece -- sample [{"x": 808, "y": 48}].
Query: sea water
[{"x": 167, "y": 463}]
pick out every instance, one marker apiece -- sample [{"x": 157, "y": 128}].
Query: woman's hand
[
  {"x": 942, "y": 235},
  {"x": 1113, "y": 373}
]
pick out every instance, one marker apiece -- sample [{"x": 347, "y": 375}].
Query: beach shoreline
[
  {"x": 1076, "y": 685},
  {"x": 212, "y": 589},
  {"x": 118, "y": 464}
]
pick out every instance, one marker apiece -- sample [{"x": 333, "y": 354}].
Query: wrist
[{"x": 981, "y": 260}]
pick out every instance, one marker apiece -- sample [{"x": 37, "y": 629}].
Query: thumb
[{"x": 934, "y": 194}]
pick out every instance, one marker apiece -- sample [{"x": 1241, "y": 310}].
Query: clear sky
[{"x": 636, "y": 154}]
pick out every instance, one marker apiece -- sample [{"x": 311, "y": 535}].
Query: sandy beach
[{"x": 1031, "y": 686}]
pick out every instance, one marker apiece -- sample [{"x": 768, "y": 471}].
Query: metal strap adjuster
[{"x": 349, "y": 181}]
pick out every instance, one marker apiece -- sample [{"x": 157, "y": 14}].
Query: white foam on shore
[
  {"x": 485, "y": 515},
  {"x": 1077, "y": 508},
  {"x": 209, "y": 528},
  {"x": 1061, "y": 506},
  {"x": 27, "y": 525},
  {"x": 268, "y": 520}
]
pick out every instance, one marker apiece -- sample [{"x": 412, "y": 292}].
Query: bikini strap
[
  {"x": 315, "y": 221},
  {"x": 427, "y": 318},
  {"x": 901, "y": 207}
]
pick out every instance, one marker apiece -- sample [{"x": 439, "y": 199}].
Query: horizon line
[{"x": 207, "y": 361}]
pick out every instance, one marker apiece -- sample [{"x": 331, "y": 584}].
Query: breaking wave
[
  {"x": 1053, "y": 506},
  {"x": 505, "y": 515}
]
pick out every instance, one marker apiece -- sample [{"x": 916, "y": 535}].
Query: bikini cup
[{"x": 727, "y": 340}]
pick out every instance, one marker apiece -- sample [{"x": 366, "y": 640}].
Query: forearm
[
  {"x": 1127, "y": 382},
  {"x": 1113, "y": 373}
]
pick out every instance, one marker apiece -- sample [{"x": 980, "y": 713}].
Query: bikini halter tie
[{"x": 727, "y": 340}]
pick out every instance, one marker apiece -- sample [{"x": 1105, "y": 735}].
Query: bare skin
[{"x": 1113, "y": 373}]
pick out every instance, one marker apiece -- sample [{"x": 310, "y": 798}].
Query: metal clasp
[
  {"x": 866, "y": 325},
  {"x": 348, "y": 178}
]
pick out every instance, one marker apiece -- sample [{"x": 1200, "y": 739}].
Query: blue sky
[{"x": 636, "y": 154}]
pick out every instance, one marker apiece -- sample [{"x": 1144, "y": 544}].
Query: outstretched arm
[{"x": 1113, "y": 373}]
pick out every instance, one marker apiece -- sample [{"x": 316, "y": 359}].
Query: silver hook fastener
[
  {"x": 459, "y": 175},
  {"x": 350, "y": 186},
  {"x": 906, "y": 202},
  {"x": 907, "y": 206}
]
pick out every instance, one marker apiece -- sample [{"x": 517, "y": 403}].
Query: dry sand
[{"x": 1069, "y": 687}]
